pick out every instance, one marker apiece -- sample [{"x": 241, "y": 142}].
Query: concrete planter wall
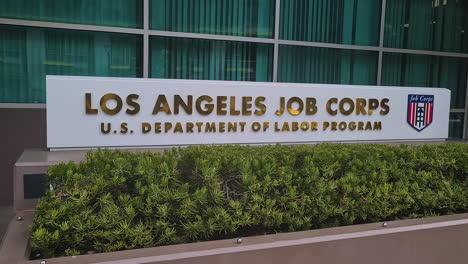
[{"x": 441, "y": 239}]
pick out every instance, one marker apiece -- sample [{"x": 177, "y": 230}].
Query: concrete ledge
[
  {"x": 440, "y": 239},
  {"x": 6, "y": 213},
  {"x": 42, "y": 157},
  {"x": 15, "y": 245}
]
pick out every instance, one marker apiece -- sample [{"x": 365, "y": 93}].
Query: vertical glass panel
[
  {"x": 27, "y": 55},
  {"x": 251, "y": 18},
  {"x": 427, "y": 71},
  {"x": 456, "y": 125},
  {"x": 323, "y": 65},
  {"x": 354, "y": 22},
  {"x": 120, "y": 13},
  {"x": 440, "y": 25},
  {"x": 179, "y": 58}
]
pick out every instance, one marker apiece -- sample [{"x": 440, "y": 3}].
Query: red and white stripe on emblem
[
  {"x": 412, "y": 113},
  {"x": 428, "y": 113}
]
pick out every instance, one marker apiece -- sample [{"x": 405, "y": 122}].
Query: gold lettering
[
  {"x": 242, "y": 125},
  {"x": 311, "y": 107},
  {"x": 385, "y": 106},
  {"x": 107, "y": 97},
  {"x": 232, "y": 107},
  {"x": 167, "y": 127},
  {"x": 342, "y": 126},
  {"x": 344, "y": 101},
  {"x": 360, "y": 125},
  {"x": 189, "y": 127},
  {"x": 145, "y": 128},
  {"x": 124, "y": 128},
  {"x": 232, "y": 127},
  {"x": 260, "y": 105},
  {"x": 281, "y": 109},
  {"x": 222, "y": 127},
  {"x": 161, "y": 105},
  {"x": 179, "y": 102},
  {"x": 131, "y": 102},
  {"x": 256, "y": 126},
  {"x": 221, "y": 105},
  {"x": 178, "y": 128},
  {"x": 157, "y": 127},
  {"x": 199, "y": 126},
  {"x": 105, "y": 131},
  {"x": 373, "y": 105},
  {"x": 333, "y": 126},
  {"x": 314, "y": 126},
  {"x": 299, "y": 109},
  {"x": 277, "y": 129},
  {"x": 361, "y": 106},
  {"x": 295, "y": 126},
  {"x": 377, "y": 125},
  {"x": 329, "y": 108},
  {"x": 208, "y": 107},
  {"x": 246, "y": 105},
  {"x": 210, "y": 127},
  {"x": 88, "y": 107}
]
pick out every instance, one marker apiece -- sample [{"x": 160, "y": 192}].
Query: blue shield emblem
[{"x": 420, "y": 109}]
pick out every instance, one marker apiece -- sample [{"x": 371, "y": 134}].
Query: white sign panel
[{"x": 87, "y": 112}]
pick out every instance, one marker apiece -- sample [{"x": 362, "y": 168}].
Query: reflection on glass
[
  {"x": 337, "y": 21},
  {"x": 456, "y": 125},
  {"x": 27, "y": 55},
  {"x": 323, "y": 65},
  {"x": 427, "y": 71},
  {"x": 250, "y": 18},
  {"x": 121, "y": 13},
  {"x": 179, "y": 58},
  {"x": 440, "y": 25}
]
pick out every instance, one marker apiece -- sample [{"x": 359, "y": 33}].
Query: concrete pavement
[{"x": 6, "y": 213}]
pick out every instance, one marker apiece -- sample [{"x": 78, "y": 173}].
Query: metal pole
[
  {"x": 381, "y": 41},
  {"x": 276, "y": 44},
  {"x": 465, "y": 121},
  {"x": 146, "y": 38}
]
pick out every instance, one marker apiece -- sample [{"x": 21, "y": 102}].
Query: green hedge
[{"x": 120, "y": 200}]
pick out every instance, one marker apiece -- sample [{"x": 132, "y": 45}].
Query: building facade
[{"x": 420, "y": 43}]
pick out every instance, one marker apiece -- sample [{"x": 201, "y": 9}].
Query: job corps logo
[{"x": 420, "y": 109}]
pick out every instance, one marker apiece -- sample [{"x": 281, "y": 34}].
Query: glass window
[
  {"x": 120, "y": 13},
  {"x": 180, "y": 58},
  {"x": 440, "y": 25},
  {"x": 251, "y": 18},
  {"x": 427, "y": 71},
  {"x": 323, "y": 65},
  {"x": 27, "y": 55},
  {"x": 456, "y": 125},
  {"x": 339, "y": 21}
]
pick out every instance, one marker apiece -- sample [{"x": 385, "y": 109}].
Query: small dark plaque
[{"x": 34, "y": 185}]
